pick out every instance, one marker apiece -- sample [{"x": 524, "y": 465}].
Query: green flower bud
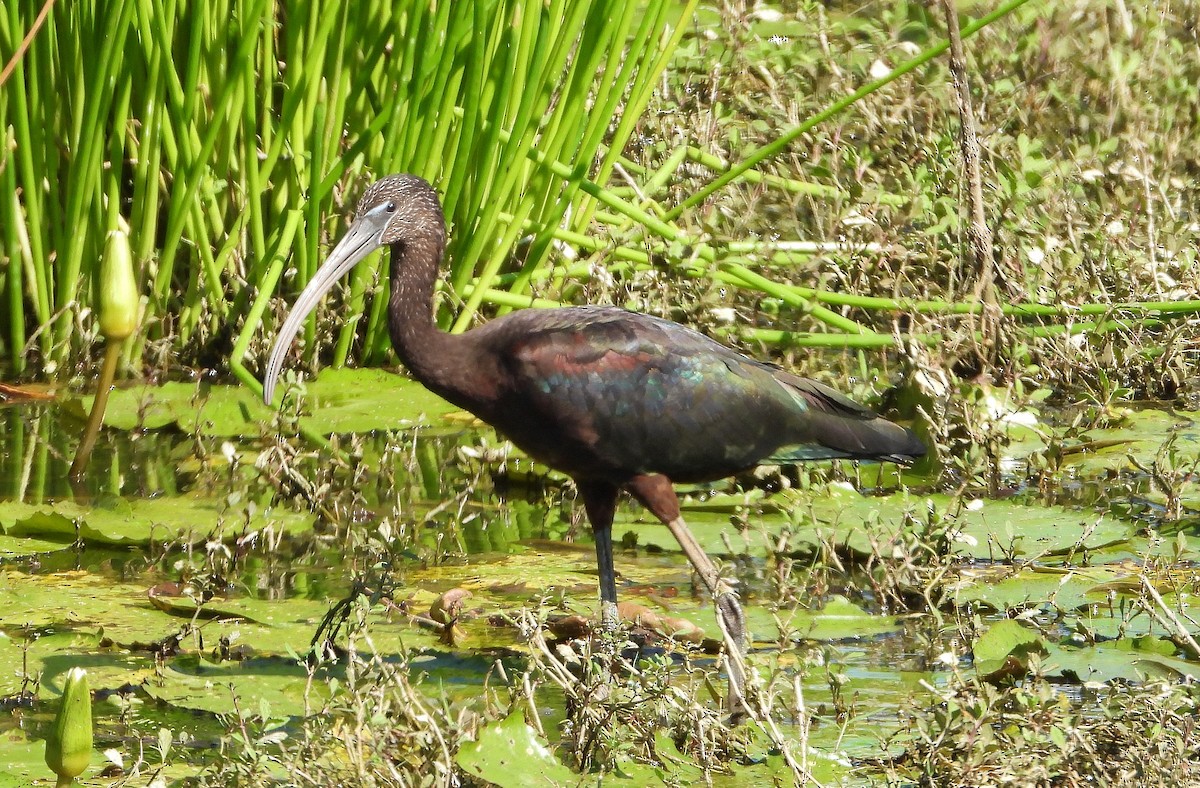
[
  {"x": 118, "y": 290},
  {"x": 69, "y": 747}
]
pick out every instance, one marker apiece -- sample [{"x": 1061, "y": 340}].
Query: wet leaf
[
  {"x": 839, "y": 619},
  {"x": 137, "y": 522},
  {"x": 1140, "y": 434},
  {"x": 1004, "y": 649},
  {"x": 195, "y": 683},
  {"x": 338, "y": 401},
  {"x": 22, "y": 759},
  {"x": 1035, "y": 586},
  {"x": 13, "y": 546},
  {"x": 510, "y": 753},
  {"x": 1107, "y": 662},
  {"x": 862, "y": 524},
  {"x": 668, "y": 626},
  {"x": 449, "y": 605},
  {"x": 50, "y": 655},
  {"x": 35, "y": 392},
  {"x": 361, "y": 400},
  {"x": 1148, "y": 644}
]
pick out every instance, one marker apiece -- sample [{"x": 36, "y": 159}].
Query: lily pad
[
  {"x": 136, "y": 522},
  {"x": 1139, "y": 434},
  {"x": 1107, "y": 662},
  {"x": 15, "y": 546},
  {"x": 1034, "y": 586},
  {"x": 1005, "y": 648},
  {"x": 511, "y": 753},
  {"x": 1147, "y": 644},
  {"x": 863, "y": 524},
  {"x": 827, "y": 765},
  {"x": 23, "y": 760},
  {"x": 45, "y": 657},
  {"x": 839, "y": 619},
  {"x": 277, "y": 684},
  {"x": 338, "y": 401},
  {"x": 56, "y": 621},
  {"x": 97, "y": 619},
  {"x": 361, "y": 400}
]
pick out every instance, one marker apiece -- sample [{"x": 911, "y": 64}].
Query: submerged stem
[{"x": 112, "y": 354}]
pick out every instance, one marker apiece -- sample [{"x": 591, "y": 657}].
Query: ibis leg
[
  {"x": 600, "y": 502},
  {"x": 656, "y": 494},
  {"x": 729, "y": 608}
]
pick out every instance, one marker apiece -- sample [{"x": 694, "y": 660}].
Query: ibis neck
[{"x": 437, "y": 359}]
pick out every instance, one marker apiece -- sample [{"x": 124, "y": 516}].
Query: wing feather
[{"x": 605, "y": 391}]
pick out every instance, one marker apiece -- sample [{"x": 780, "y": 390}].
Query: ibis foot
[
  {"x": 730, "y": 617},
  {"x": 610, "y": 619}
]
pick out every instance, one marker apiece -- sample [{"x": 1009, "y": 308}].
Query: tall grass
[
  {"x": 204, "y": 124},
  {"x": 227, "y": 134}
]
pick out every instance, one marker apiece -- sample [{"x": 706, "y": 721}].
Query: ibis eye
[{"x": 391, "y": 207}]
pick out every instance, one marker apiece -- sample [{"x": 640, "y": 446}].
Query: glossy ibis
[{"x": 616, "y": 399}]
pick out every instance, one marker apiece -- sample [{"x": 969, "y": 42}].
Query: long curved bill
[{"x": 360, "y": 240}]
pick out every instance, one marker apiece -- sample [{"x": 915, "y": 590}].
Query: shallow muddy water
[{"x": 198, "y": 558}]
